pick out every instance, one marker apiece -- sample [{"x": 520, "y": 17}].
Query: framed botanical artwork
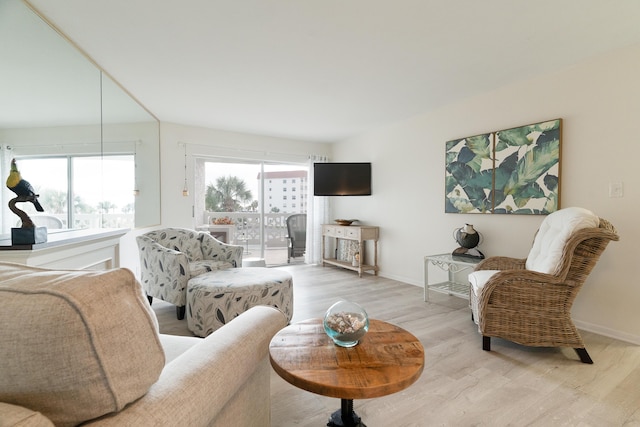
[
  {"x": 527, "y": 169},
  {"x": 512, "y": 171},
  {"x": 469, "y": 174}
]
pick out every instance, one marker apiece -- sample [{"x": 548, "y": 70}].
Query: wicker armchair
[
  {"x": 297, "y": 235},
  {"x": 533, "y": 308}
]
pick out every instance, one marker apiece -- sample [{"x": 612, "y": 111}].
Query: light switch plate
[{"x": 616, "y": 189}]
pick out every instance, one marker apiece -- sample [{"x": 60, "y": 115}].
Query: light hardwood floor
[{"x": 461, "y": 385}]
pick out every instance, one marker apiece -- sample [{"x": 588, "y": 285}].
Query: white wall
[
  {"x": 599, "y": 101},
  {"x": 176, "y": 209}
]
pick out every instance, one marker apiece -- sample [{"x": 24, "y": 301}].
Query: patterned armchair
[
  {"x": 528, "y": 301},
  {"x": 170, "y": 257}
]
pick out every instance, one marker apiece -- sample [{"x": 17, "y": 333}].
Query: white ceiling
[{"x": 322, "y": 70}]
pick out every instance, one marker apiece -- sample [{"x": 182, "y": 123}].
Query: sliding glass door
[{"x": 247, "y": 203}]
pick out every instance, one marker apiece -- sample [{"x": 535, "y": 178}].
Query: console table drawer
[
  {"x": 352, "y": 233},
  {"x": 333, "y": 231}
]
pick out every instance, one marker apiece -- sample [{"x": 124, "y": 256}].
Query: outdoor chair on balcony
[
  {"x": 297, "y": 235},
  {"x": 170, "y": 257},
  {"x": 528, "y": 301}
]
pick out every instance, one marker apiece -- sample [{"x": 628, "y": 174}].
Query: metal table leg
[{"x": 345, "y": 417}]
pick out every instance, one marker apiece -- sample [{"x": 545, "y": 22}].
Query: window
[
  {"x": 70, "y": 188},
  {"x": 259, "y": 218}
]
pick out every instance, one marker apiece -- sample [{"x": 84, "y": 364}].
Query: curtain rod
[
  {"x": 10, "y": 147},
  {"x": 244, "y": 150}
]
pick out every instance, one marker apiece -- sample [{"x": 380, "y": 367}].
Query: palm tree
[
  {"x": 227, "y": 195},
  {"x": 55, "y": 201},
  {"x": 80, "y": 206},
  {"x": 106, "y": 206}
]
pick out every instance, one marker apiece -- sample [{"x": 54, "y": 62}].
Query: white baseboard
[
  {"x": 402, "y": 279},
  {"x": 607, "y": 332},
  {"x": 584, "y": 326}
]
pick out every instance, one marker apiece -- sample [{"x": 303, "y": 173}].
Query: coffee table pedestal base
[{"x": 345, "y": 417}]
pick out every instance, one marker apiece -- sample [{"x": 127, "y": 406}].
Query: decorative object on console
[
  {"x": 345, "y": 221},
  {"x": 346, "y": 323},
  {"x": 28, "y": 233},
  {"x": 346, "y": 249},
  {"x": 512, "y": 171},
  {"x": 468, "y": 239}
]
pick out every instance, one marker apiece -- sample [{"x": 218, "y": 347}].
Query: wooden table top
[{"x": 386, "y": 360}]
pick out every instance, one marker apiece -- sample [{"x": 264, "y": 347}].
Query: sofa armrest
[
  {"x": 213, "y": 248},
  {"x": 18, "y": 416},
  {"x": 195, "y": 387}
]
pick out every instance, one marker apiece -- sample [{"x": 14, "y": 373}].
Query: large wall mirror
[{"x": 90, "y": 150}]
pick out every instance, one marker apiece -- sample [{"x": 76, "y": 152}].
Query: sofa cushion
[
  {"x": 479, "y": 278},
  {"x": 18, "y": 416},
  {"x": 75, "y": 345},
  {"x": 556, "y": 229}
]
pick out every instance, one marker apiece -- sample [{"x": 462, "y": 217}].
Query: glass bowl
[{"x": 346, "y": 323}]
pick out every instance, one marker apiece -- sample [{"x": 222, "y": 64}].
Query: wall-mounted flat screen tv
[{"x": 342, "y": 179}]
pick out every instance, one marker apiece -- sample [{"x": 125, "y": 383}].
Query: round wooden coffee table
[{"x": 386, "y": 360}]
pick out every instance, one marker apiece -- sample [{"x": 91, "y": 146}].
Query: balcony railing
[
  {"x": 247, "y": 227},
  {"x": 245, "y": 231}
]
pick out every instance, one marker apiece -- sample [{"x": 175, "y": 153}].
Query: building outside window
[{"x": 259, "y": 219}]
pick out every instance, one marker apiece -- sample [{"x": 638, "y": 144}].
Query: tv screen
[{"x": 342, "y": 179}]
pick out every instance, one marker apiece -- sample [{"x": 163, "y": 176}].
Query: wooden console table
[{"x": 359, "y": 233}]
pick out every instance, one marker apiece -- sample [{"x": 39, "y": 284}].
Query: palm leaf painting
[
  {"x": 513, "y": 171},
  {"x": 469, "y": 175}
]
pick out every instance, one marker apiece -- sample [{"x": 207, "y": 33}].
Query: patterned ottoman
[{"x": 215, "y": 298}]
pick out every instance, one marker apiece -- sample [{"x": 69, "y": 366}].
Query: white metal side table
[{"x": 452, "y": 265}]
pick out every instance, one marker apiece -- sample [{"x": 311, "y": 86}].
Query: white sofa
[{"x": 82, "y": 347}]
